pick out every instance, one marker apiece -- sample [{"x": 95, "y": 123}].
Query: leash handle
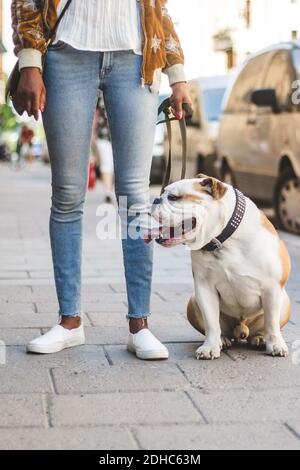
[{"x": 165, "y": 107}]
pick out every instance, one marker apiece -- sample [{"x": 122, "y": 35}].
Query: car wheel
[
  {"x": 228, "y": 176},
  {"x": 287, "y": 201}
]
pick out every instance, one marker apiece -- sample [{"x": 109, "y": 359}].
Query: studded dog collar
[{"x": 238, "y": 214}]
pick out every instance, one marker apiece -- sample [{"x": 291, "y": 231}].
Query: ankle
[
  {"x": 70, "y": 322},
  {"x": 137, "y": 324}
]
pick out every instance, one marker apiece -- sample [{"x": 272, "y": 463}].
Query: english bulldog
[{"x": 240, "y": 265}]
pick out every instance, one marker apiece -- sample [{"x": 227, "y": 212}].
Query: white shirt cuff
[
  {"x": 30, "y": 58},
  {"x": 175, "y": 74}
]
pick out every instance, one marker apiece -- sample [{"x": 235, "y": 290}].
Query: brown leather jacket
[{"x": 33, "y": 19}]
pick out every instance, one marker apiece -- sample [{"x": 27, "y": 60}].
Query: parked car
[
  {"x": 202, "y": 129},
  {"x": 259, "y": 141}
]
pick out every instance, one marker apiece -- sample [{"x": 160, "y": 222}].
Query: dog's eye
[{"x": 173, "y": 198}]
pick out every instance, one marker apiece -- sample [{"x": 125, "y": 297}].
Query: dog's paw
[
  {"x": 226, "y": 343},
  {"x": 257, "y": 342},
  {"x": 277, "y": 347},
  {"x": 208, "y": 352}
]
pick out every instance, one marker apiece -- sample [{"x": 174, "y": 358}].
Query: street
[{"x": 99, "y": 396}]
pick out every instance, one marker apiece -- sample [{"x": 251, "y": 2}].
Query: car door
[
  {"x": 237, "y": 123},
  {"x": 270, "y": 129}
]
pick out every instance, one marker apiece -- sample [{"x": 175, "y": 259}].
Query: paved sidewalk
[{"x": 99, "y": 396}]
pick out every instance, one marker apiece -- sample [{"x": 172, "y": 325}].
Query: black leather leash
[
  {"x": 55, "y": 27},
  {"x": 216, "y": 244},
  {"x": 166, "y": 108}
]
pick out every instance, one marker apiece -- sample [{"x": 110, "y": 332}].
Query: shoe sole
[
  {"x": 54, "y": 348},
  {"x": 149, "y": 355}
]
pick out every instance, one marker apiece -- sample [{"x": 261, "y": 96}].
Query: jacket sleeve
[
  {"x": 174, "y": 53},
  {"x": 28, "y": 32}
]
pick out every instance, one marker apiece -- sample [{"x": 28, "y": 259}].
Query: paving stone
[
  {"x": 77, "y": 438},
  {"x": 291, "y": 333},
  {"x": 123, "y": 408},
  {"x": 178, "y": 351},
  {"x": 267, "y": 436},
  {"x": 107, "y": 335},
  {"x": 32, "y": 320},
  {"x": 18, "y": 336},
  {"x": 118, "y": 335},
  {"x": 117, "y": 319},
  {"x": 89, "y": 292},
  {"x": 163, "y": 307},
  {"x": 249, "y": 370},
  {"x": 13, "y": 275},
  {"x": 86, "y": 378},
  {"x": 96, "y": 307},
  {"x": 95, "y": 291},
  {"x": 42, "y": 274},
  {"x": 15, "y": 293},
  {"x": 294, "y": 426},
  {"x": 21, "y": 410},
  {"x": 81, "y": 357},
  {"x": 177, "y": 334},
  {"x": 24, "y": 378},
  {"x": 244, "y": 406},
  {"x": 11, "y": 308},
  {"x": 160, "y": 288}
]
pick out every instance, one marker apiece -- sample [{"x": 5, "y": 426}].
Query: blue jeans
[{"x": 72, "y": 80}]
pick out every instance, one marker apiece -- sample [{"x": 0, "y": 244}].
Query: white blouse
[{"x": 101, "y": 25}]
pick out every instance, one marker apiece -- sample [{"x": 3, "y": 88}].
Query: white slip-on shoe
[
  {"x": 145, "y": 346},
  {"x": 57, "y": 339}
]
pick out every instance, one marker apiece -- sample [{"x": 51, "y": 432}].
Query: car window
[
  {"x": 248, "y": 80},
  {"x": 280, "y": 77},
  {"x": 213, "y": 103}
]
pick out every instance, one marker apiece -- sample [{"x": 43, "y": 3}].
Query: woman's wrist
[
  {"x": 175, "y": 73},
  {"x": 30, "y": 58}
]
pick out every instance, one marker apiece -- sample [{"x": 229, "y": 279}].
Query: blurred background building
[
  {"x": 219, "y": 34},
  {"x": 216, "y": 34}
]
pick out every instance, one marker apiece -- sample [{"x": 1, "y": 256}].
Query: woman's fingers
[
  {"x": 35, "y": 106},
  {"x": 31, "y": 92},
  {"x": 43, "y": 100},
  {"x": 177, "y": 105},
  {"x": 180, "y": 96}
]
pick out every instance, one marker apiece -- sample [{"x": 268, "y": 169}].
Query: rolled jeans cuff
[
  {"x": 70, "y": 314},
  {"x": 135, "y": 316}
]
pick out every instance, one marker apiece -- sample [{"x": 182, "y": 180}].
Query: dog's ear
[{"x": 213, "y": 186}]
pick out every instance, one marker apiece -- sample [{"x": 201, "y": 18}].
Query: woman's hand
[
  {"x": 31, "y": 93},
  {"x": 180, "y": 95}
]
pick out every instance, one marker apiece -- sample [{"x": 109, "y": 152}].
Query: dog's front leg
[
  {"x": 272, "y": 301},
  {"x": 208, "y": 302}
]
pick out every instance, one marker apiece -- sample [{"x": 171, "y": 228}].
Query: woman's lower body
[{"x": 73, "y": 79}]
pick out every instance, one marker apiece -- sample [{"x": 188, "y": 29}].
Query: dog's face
[{"x": 181, "y": 212}]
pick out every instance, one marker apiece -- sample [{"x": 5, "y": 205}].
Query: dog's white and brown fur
[{"x": 239, "y": 290}]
